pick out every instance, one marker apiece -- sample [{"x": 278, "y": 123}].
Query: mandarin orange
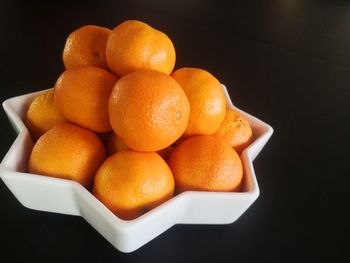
[
  {"x": 148, "y": 110},
  {"x": 134, "y": 45},
  {"x": 206, "y": 97},
  {"x": 235, "y": 130},
  {"x": 43, "y": 115},
  {"x": 67, "y": 151},
  {"x": 82, "y": 94},
  {"x": 131, "y": 183},
  {"x": 206, "y": 163},
  {"x": 86, "y": 46}
]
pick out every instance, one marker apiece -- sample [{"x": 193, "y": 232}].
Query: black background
[{"x": 284, "y": 61}]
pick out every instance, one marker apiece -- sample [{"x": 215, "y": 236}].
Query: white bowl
[{"x": 68, "y": 197}]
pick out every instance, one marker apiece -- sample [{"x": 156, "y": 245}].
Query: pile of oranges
[{"x": 131, "y": 130}]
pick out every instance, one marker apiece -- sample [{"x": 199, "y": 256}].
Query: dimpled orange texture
[
  {"x": 43, "y": 115},
  {"x": 206, "y": 163},
  {"x": 68, "y": 151},
  {"x": 130, "y": 183},
  {"x": 235, "y": 130},
  {"x": 134, "y": 45},
  {"x": 207, "y": 100},
  {"x": 148, "y": 110},
  {"x": 86, "y": 46},
  {"x": 82, "y": 94}
]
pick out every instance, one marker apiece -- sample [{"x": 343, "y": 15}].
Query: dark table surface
[{"x": 284, "y": 61}]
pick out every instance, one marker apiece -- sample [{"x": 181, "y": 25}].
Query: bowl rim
[{"x": 247, "y": 157}]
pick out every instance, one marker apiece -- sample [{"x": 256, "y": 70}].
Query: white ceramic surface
[{"x": 68, "y": 197}]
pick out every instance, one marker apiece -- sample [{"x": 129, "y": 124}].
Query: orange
[
  {"x": 86, "y": 46},
  {"x": 148, "y": 110},
  {"x": 235, "y": 130},
  {"x": 134, "y": 45},
  {"x": 67, "y": 151},
  {"x": 114, "y": 144},
  {"x": 206, "y": 163},
  {"x": 207, "y": 100},
  {"x": 131, "y": 183},
  {"x": 42, "y": 115},
  {"x": 82, "y": 94}
]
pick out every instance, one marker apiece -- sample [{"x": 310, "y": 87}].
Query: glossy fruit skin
[
  {"x": 68, "y": 151},
  {"x": 134, "y": 45},
  {"x": 148, "y": 110},
  {"x": 81, "y": 95},
  {"x": 206, "y": 97},
  {"x": 130, "y": 183},
  {"x": 235, "y": 130},
  {"x": 86, "y": 46},
  {"x": 43, "y": 115},
  {"x": 206, "y": 163}
]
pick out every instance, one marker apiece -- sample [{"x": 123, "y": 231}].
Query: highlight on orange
[
  {"x": 68, "y": 151},
  {"x": 86, "y": 46},
  {"x": 206, "y": 97},
  {"x": 82, "y": 94},
  {"x": 148, "y": 110},
  {"x": 131, "y": 183},
  {"x": 134, "y": 45},
  {"x": 235, "y": 130},
  {"x": 206, "y": 163},
  {"x": 42, "y": 115}
]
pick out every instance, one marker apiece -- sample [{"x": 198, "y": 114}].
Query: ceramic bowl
[{"x": 68, "y": 197}]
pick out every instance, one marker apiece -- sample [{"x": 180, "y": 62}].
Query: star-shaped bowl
[{"x": 68, "y": 197}]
